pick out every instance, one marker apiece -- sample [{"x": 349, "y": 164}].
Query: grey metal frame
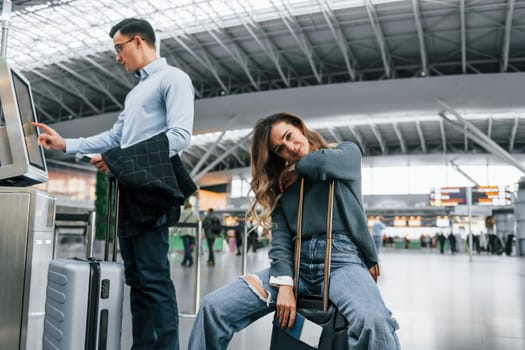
[{"x": 26, "y": 248}]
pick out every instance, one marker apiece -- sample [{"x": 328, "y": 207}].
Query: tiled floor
[{"x": 442, "y": 302}]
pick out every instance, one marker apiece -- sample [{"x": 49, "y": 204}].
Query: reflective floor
[{"x": 442, "y": 302}]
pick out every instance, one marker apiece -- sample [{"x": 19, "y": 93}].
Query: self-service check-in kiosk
[{"x": 27, "y": 217}]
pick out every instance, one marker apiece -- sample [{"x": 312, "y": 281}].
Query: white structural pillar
[
  {"x": 6, "y": 13},
  {"x": 519, "y": 214},
  {"x": 469, "y": 202}
]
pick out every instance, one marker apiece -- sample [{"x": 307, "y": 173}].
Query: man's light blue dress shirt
[{"x": 162, "y": 101}]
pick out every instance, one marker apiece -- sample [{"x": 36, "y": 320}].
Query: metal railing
[{"x": 197, "y": 271}]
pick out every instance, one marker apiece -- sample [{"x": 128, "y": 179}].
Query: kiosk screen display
[{"x": 27, "y": 116}]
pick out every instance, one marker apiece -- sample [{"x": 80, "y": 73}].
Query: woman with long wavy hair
[{"x": 283, "y": 151}]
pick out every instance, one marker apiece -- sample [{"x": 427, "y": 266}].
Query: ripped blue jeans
[{"x": 233, "y": 307}]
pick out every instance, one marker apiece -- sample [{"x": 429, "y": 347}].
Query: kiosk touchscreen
[{"x": 22, "y": 161}]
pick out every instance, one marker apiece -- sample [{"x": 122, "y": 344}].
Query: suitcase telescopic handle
[
  {"x": 328, "y": 245},
  {"x": 112, "y": 207}
]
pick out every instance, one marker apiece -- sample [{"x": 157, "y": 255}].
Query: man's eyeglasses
[{"x": 118, "y": 47}]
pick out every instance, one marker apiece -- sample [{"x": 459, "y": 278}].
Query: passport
[{"x": 303, "y": 330}]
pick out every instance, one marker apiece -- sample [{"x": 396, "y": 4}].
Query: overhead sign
[
  {"x": 491, "y": 195},
  {"x": 481, "y": 195},
  {"x": 448, "y": 196}
]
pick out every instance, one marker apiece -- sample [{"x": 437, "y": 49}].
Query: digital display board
[
  {"x": 448, "y": 196},
  {"x": 491, "y": 195},
  {"x": 481, "y": 195}
]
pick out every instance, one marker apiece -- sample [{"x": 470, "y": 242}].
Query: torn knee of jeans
[{"x": 255, "y": 284}]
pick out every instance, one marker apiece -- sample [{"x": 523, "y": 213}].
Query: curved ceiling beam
[
  {"x": 52, "y": 97},
  {"x": 207, "y": 155},
  {"x": 235, "y": 52},
  {"x": 462, "y": 25},
  {"x": 90, "y": 84},
  {"x": 400, "y": 138},
  {"x": 420, "y": 36},
  {"x": 482, "y": 139},
  {"x": 421, "y": 137},
  {"x": 74, "y": 93},
  {"x": 205, "y": 61},
  {"x": 263, "y": 40},
  {"x": 300, "y": 38},
  {"x": 358, "y": 138},
  {"x": 443, "y": 136},
  {"x": 336, "y": 138},
  {"x": 380, "y": 37},
  {"x": 124, "y": 83},
  {"x": 219, "y": 159},
  {"x": 506, "y": 39},
  {"x": 379, "y": 138},
  {"x": 338, "y": 35},
  {"x": 513, "y": 133}
]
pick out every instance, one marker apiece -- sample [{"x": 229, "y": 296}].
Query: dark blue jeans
[
  {"x": 210, "y": 239},
  {"x": 188, "y": 258},
  {"x": 153, "y": 301}
]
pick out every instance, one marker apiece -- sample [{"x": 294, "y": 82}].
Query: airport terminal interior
[{"x": 431, "y": 92}]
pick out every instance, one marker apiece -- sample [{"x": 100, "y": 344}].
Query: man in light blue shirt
[{"x": 161, "y": 102}]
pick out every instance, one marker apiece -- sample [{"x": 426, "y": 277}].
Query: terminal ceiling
[{"x": 245, "y": 48}]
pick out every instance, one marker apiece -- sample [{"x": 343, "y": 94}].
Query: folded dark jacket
[{"x": 150, "y": 182}]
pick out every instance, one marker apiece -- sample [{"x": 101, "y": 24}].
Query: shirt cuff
[
  {"x": 72, "y": 146},
  {"x": 281, "y": 281}
]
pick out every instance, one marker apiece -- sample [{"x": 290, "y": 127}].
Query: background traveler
[
  {"x": 212, "y": 228},
  {"x": 188, "y": 234},
  {"x": 377, "y": 232}
]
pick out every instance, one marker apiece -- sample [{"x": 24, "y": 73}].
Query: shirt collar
[{"x": 151, "y": 68}]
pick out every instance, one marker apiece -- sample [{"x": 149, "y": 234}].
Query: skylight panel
[
  {"x": 231, "y": 135},
  {"x": 221, "y": 8},
  {"x": 74, "y": 22},
  {"x": 163, "y": 5}
]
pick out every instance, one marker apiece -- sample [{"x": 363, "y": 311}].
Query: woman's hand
[
  {"x": 374, "y": 271},
  {"x": 285, "y": 307},
  {"x": 287, "y": 178}
]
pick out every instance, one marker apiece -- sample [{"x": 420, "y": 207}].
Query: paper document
[{"x": 303, "y": 330}]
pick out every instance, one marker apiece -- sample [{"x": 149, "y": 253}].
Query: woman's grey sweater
[{"x": 343, "y": 165}]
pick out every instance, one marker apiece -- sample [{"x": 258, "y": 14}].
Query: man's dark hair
[{"x": 133, "y": 27}]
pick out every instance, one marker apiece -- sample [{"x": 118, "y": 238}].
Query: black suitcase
[
  {"x": 84, "y": 297},
  {"x": 317, "y": 309}
]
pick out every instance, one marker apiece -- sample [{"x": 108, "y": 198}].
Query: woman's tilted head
[{"x": 279, "y": 140}]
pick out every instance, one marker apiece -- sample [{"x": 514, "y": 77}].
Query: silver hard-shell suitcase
[{"x": 84, "y": 298}]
